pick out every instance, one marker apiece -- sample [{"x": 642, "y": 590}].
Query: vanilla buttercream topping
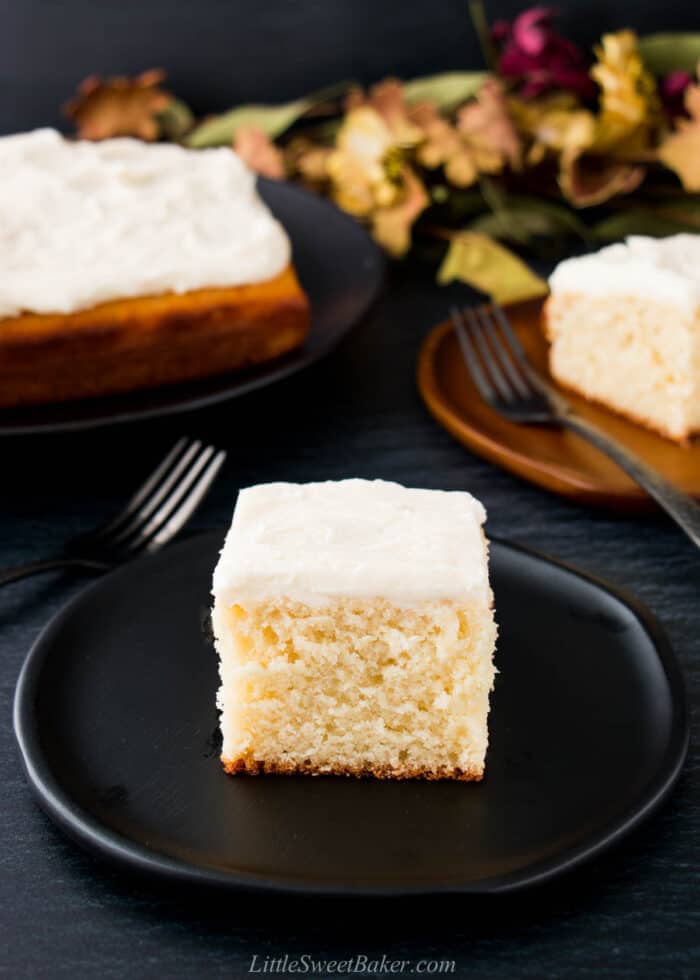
[
  {"x": 664, "y": 269},
  {"x": 357, "y": 538},
  {"x": 82, "y": 223}
]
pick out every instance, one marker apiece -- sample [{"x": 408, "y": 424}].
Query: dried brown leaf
[
  {"x": 258, "y": 151},
  {"x": 586, "y": 181},
  {"x": 488, "y": 128},
  {"x": 681, "y": 150},
  {"x": 119, "y": 106},
  {"x": 391, "y": 226}
]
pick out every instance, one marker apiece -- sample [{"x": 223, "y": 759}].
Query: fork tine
[
  {"x": 146, "y": 488},
  {"x": 123, "y": 528},
  {"x": 188, "y": 506},
  {"x": 502, "y": 351},
  {"x": 470, "y": 356},
  {"x": 476, "y": 327},
  {"x": 517, "y": 348},
  {"x": 144, "y": 531}
]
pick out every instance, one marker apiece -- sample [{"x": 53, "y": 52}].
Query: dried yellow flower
[
  {"x": 357, "y": 165},
  {"x": 553, "y": 124},
  {"x": 308, "y": 160},
  {"x": 598, "y": 155},
  {"x": 484, "y": 139},
  {"x": 387, "y": 100},
  {"x": 629, "y": 103}
]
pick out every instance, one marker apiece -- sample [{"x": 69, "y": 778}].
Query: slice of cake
[
  {"x": 624, "y": 326},
  {"x": 128, "y": 265},
  {"x": 355, "y": 630}
]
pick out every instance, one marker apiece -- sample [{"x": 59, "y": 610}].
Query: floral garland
[{"x": 543, "y": 150}]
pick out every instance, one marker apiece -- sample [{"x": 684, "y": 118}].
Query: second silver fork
[
  {"x": 508, "y": 382},
  {"x": 160, "y": 508}
]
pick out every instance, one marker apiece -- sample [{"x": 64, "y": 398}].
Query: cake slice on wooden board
[
  {"x": 354, "y": 625},
  {"x": 128, "y": 265},
  {"x": 624, "y": 326}
]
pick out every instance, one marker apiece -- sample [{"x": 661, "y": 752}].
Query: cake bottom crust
[
  {"x": 653, "y": 424},
  {"x": 256, "y": 767}
]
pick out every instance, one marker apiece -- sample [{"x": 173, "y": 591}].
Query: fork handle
[
  {"x": 678, "y": 505},
  {"x": 47, "y": 565}
]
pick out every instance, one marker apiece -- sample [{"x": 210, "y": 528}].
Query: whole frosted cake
[
  {"x": 624, "y": 326},
  {"x": 354, "y": 625},
  {"x": 127, "y": 265}
]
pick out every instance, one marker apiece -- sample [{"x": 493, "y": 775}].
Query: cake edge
[
  {"x": 146, "y": 341},
  {"x": 652, "y": 425},
  {"x": 256, "y": 767}
]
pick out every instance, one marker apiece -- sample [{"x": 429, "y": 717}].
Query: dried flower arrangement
[{"x": 541, "y": 150}]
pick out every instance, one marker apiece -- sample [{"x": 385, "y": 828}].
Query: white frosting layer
[
  {"x": 82, "y": 223},
  {"x": 357, "y": 538},
  {"x": 664, "y": 269}
]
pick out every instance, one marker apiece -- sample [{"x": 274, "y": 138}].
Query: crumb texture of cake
[
  {"x": 624, "y": 327},
  {"x": 355, "y": 631}
]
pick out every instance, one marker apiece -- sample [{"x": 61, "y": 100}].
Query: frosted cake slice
[
  {"x": 354, "y": 625},
  {"x": 624, "y": 326}
]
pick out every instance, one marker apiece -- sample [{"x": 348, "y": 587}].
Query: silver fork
[
  {"x": 151, "y": 517},
  {"x": 508, "y": 382}
]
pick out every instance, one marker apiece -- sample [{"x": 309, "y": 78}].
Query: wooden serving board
[{"x": 553, "y": 458}]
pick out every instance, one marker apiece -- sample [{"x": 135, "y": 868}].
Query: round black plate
[
  {"x": 341, "y": 270},
  {"x": 115, "y": 717}
]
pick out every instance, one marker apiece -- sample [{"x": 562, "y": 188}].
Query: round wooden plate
[{"x": 553, "y": 458}]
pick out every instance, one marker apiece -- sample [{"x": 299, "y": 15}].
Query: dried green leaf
[
  {"x": 521, "y": 218},
  {"x": 483, "y": 264},
  {"x": 447, "y": 90},
  {"x": 558, "y": 216},
  {"x": 175, "y": 121},
  {"x": 664, "y": 53},
  {"x": 508, "y": 226},
  {"x": 685, "y": 211},
  {"x": 273, "y": 120},
  {"x": 641, "y": 221},
  {"x": 522, "y": 224}
]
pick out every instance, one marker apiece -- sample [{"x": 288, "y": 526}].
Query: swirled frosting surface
[
  {"x": 663, "y": 269},
  {"x": 314, "y": 542},
  {"x": 83, "y": 223}
]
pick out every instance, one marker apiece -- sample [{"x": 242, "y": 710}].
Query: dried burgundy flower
[
  {"x": 672, "y": 91},
  {"x": 540, "y": 59}
]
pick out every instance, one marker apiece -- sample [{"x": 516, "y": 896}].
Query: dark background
[
  {"x": 222, "y": 52},
  {"x": 633, "y": 913}
]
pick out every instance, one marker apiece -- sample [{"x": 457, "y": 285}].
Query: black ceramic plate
[
  {"x": 114, "y": 714},
  {"x": 339, "y": 267}
]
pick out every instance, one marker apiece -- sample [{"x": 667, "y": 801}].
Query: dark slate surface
[{"x": 632, "y": 914}]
